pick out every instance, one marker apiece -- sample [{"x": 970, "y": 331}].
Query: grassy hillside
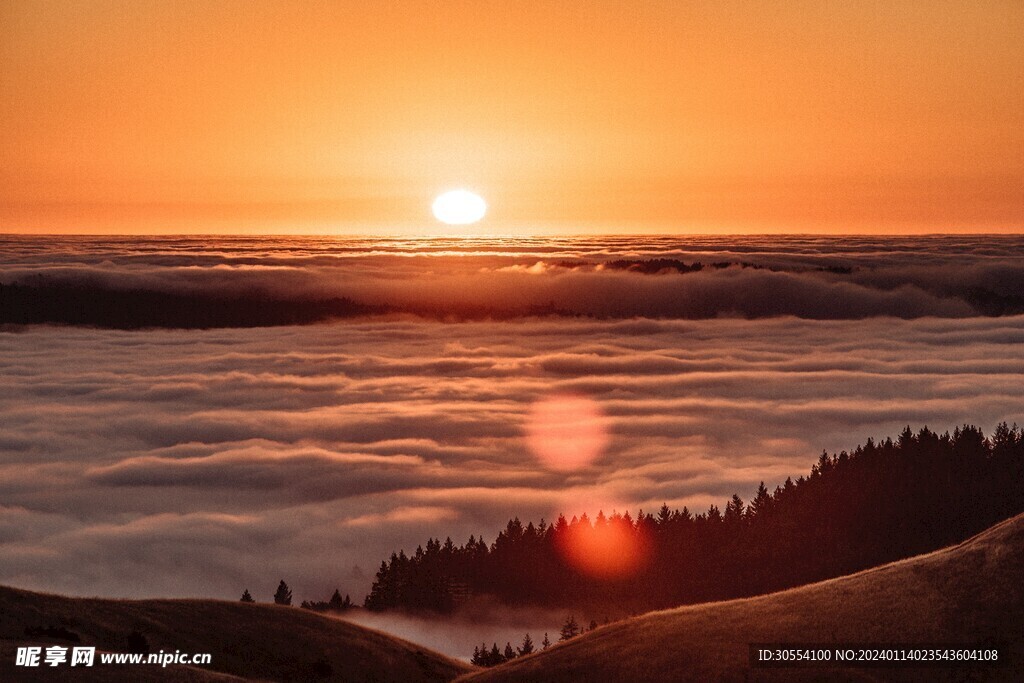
[
  {"x": 247, "y": 641},
  {"x": 964, "y": 594}
]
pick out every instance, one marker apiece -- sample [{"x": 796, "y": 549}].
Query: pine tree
[
  {"x": 509, "y": 653},
  {"x": 734, "y": 510},
  {"x": 546, "y": 643},
  {"x": 527, "y": 646},
  {"x": 494, "y": 656},
  {"x": 761, "y": 503},
  {"x": 569, "y": 630},
  {"x": 593, "y": 625},
  {"x": 336, "y": 603},
  {"x": 906, "y": 439},
  {"x": 283, "y": 596},
  {"x": 664, "y": 514},
  {"x": 246, "y": 597}
]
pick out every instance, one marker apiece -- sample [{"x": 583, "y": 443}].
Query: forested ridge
[{"x": 881, "y": 502}]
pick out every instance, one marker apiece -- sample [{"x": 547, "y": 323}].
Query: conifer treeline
[{"x": 882, "y": 502}]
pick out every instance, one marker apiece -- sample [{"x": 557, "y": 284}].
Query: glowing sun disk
[{"x": 459, "y": 207}]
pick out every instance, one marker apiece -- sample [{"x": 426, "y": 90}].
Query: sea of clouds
[{"x": 201, "y": 462}]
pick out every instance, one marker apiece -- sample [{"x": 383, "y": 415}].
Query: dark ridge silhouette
[
  {"x": 993, "y": 304},
  {"x": 250, "y": 642},
  {"x": 970, "y": 594},
  {"x": 658, "y": 266},
  {"x": 39, "y": 302},
  {"x": 882, "y": 502},
  {"x": 143, "y": 309},
  {"x": 137, "y": 309}
]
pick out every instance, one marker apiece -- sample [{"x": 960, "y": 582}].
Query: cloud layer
[
  {"x": 240, "y": 457},
  {"x": 812, "y": 278}
]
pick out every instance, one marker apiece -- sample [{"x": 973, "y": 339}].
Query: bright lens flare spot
[
  {"x": 609, "y": 550},
  {"x": 566, "y": 432},
  {"x": 459, "y": 207}
]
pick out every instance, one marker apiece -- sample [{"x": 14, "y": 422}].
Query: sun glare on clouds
[{"x": 566, "y": 432}]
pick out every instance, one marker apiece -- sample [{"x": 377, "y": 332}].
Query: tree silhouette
[
  {"x": 883, "y": 501},
  {"x": 246, "y": 597},
  {"x": 283, "y": 596},
  {"x": 527, "y": 647},
  {"x": 509, "y": 653},
  {"x": 570, "y": 629},
  {"x": 335, "y": 604},
  {"x": 546, "y": 643},
  {"x": 761, "y": 504}
]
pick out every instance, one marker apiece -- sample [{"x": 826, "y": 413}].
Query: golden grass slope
[
  {"x": 247, "y": 641},
  {"x": 967, "y": 593}
]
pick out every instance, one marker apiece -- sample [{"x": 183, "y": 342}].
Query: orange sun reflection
[
  {"x": 610, "y": 549},
  {"x": 566, "y": 432}
]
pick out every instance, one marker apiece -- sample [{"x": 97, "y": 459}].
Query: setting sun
[{"x": 459, "y": 207}]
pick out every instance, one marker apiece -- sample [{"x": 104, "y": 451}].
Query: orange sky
[{"x": 570, "y": 116}]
